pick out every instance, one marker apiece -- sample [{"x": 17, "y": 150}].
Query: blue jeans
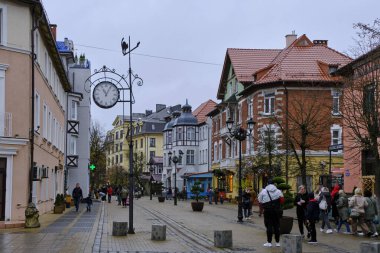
[
  {"x": 325, "y": 219},
  {"x": 341, "y": 222},
  {"x": 76, "y": 203},
  {"x": 210, "y": 199}
]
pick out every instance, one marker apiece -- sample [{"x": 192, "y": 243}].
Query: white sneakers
[
  {"x": 329, "y": 231},
  {"x": 268, "y": 244},
  {"x": 322, "y": 230}
]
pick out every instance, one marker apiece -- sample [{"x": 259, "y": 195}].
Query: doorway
[{"x": 3, "y": 178}]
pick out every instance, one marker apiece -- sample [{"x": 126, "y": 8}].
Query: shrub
[
  {"x": 59, "y": 200},
  {"x": 196, "y": 190}
]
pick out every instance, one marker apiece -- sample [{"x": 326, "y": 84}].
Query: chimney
[
  {"x": 53, "y": 29},
  {"x": 148, "y": 112},
  {"x": 160, "y": 107},
  {"x": 290, "y": 38},
  {"x": 320, "y": 42}
]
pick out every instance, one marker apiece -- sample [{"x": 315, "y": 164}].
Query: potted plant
[
  {"x": 59, "y": 204},
  {"x": 196, "y": 191},
  {"x": 286, "y": 222},
  {"x": 158, "y": 188}
]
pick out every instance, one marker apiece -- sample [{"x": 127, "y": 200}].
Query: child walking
[{"x": 89, "y": 203}]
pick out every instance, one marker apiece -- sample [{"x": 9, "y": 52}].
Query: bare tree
[
  {"x": 309, "y": 120},
  {"x": 368, "y": 38},
  {"x": 97, "y": 155}
]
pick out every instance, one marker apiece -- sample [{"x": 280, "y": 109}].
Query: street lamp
[
  {"x": 240, "y": 134},
  {"x": 150, "y": 178},
  {"x": 175, "y": 159}
]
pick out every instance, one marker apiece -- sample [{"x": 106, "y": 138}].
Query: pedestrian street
[{"x": 186, "y": 231}]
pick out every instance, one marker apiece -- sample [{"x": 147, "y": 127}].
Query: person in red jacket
[{"x": 109, "y": 193}]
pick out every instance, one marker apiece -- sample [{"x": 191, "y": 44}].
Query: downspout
[
  {"x": 34, "y": 27},
  {"x": 287, "y": 135}
]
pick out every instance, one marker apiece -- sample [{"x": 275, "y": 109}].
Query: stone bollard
[
  {"x": 119, "y": 228},
  {"x": 369, "y": 247},
  {"x": 291, "y": 243},
  {"x": 158, "y": 232},
  {"x": 223, "y": 238}
]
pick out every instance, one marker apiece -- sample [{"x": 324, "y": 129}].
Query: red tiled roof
[
  {"x": 245, "y": 62},
  {"x": 248, "y": 61},
  {"x": 303, "y": 61},
  {"x": 202, "y": 110}
]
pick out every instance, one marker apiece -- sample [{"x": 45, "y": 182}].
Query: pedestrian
[
  {"x": 216, "y": 195},
  {"x": 324, "y": 203},
  {"x": 334, "y": 199},
  {"x": 118, "y": 195},
  {"x": 270, "y": 199},
  {"x": 312, "y": 216},
  {"x": 77, "y": 195},
  {"x": 370, "y": 212},
  {"x": 253, "y": 198},
  {"x": 210, "y": 194},
  {"x": 124, "y": 196},
  {"x": 169, "y": 193},
  {"x": 109, "y": 193},
  {"x": 246, "y": 202},
  {"x": 358, "y": 203},
  {"x": 88, "y": 202},
  {"x": 342, "y": 205},
  {"x": 300, "y": 201}
]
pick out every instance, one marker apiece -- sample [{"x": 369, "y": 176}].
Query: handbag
[{"x": 354, "y": 213}]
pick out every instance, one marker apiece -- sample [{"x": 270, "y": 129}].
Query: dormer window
[{"x": 332, "y": 69}]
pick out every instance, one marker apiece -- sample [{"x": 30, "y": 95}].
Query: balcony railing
[{"x": 6, "y": 124}]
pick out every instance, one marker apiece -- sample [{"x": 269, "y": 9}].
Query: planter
[
  {"x": 286, "y": 224},
  {"x": 59, "y": 209},
  {"x": 197, "y": 206},
  {"x": 161, "y": 199}
]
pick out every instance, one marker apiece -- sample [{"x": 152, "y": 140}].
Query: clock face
[{"x": 105, "y": 94}]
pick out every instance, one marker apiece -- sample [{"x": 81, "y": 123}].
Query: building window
[
  {"x": 141, "y": 143},
  {"x": 152, "y": 153},
  {"x": 335, "y": 108},
  {"x": 179, "y": 134},
  {"x": 152, "y": 142},
  {"x": 121, "y": 134},
  {"x": 1, "y": 26},
  {"x": 336, "y": 135},
  {"x": 153, "y": 127},
  {"x": 117, "y": 159},
  {"x": 220, "y": 151},
  {"x": 121, "y": 158},
  {"x": 73, "y": 145},
  {"x": 250, "y": 108},
  {"x": 74, "y": 110},
  {"x": 45, "y": 115},
  {"x": 190, "y": 157},
  {"x": 113, "y": 161},
  {"x": 190, "y": 133},
  {"x": 117, "y": 147},
  {"x": 37, "y": 112},
  {"x": 268, "y": 139},
  {"x": 117, "y": 135},
  {"x": 53, "y": 131},
  {"x": 369, "y": 99},
  {"x": 269, "y": 103},
  {"x": 121, "y": 146},
  {"x": 215, "y": 152}
]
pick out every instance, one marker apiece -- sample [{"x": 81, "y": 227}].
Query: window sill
[
  {"x": 267, "y": 114},
  {"x": 339, "y": 114}
]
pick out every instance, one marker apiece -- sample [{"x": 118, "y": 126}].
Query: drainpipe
[{"x": 287, "y": 135}]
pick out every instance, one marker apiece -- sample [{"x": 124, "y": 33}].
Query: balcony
[
  {"x": 6, "y": 124},
  {"x": 228, "y": 162}
]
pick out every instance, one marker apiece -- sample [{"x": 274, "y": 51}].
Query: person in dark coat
[
  {"x": 301, "y": 201},
  {"x": 312, "y": 216},
  {"x": 246, "y": 203},
  {"x": 77, "y": 196}
]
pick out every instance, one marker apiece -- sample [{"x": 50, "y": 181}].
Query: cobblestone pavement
[{"x": 186, "y": 231}]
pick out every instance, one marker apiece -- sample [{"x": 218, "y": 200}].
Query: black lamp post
[
  {"x": 150, "y": 178},
  {"x": 126, "y": 50},
  {"x": 175, "y": 159},
  {"x": 240, "y": 134}
]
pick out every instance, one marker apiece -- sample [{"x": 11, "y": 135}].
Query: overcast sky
[{"x": 197, "y": 33}]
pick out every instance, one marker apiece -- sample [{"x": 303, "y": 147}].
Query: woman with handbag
[
  {"x": 357, "y": 203},
  {"x": 370, "y": 212}
]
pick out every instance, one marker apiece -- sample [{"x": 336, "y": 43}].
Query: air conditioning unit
[
  {"x": 45, "y": 172},
  {"x": 36, "y": 173}
]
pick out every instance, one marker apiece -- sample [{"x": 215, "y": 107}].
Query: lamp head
[
  {"x": 250, "y": 124},
  {"x": 229, "y": 124}
]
